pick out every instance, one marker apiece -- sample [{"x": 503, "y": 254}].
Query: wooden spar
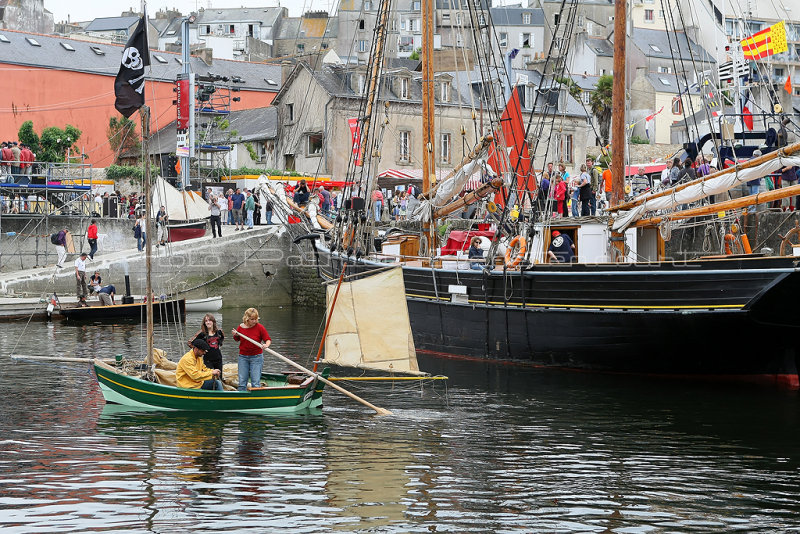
[
  {"x": 428, "y": 142},
  {"x": 374, "y": 73},
  {"x": 466, "y": 200},
  {"x": 57, "y": 359},
  {"x": 484, "y": 142},
  {"x": 145, "y": 113},
  {"x": 785, "y": 151},
  {"x": 379, "y": 411},
  {"x": 618, "y": 120},
  {"x": 330, "y": 316},
  {"x": 736, "y": 203}
]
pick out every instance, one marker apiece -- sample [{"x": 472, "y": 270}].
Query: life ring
[{"x": 523, "y": 247}]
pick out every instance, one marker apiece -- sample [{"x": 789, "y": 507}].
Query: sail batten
[{"x": 358, "y": 335}]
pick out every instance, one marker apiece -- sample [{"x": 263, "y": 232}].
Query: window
[
  {"x": 97, "y": 50},
  {"x": 528, "y": 97},
  {"x": 289, "y": 112},
  {"x": 526, "y": 18},
  {"x": 160, "y": 59},
  {"x": 207, "y": 29},
  {"x": 32, "y": 41},
  {"x": 415, "y": 5},
  {"x": 367, "y": 6},
  {"x": 665, "y": 69},
  {"x": 649, "y": 1},
  {"x": 458, "y": 18},
  {"x": 360, "y": 24},
  {"x": 503, "y": 39},
  {"x": 68, "y": 47},
  {"x": 664, "y": 81},
  {"x": 525, "y": 40},
  {"x": 314, "y": 144},
  {"x": 393, "y": 25},
  {"x": 444, "y": 92},
  {"x": 4, "y": 39},
  {"x": 565, "y": 152},
  {"x": 403, "y": 88},
  {"x": 459, "y": 40},
  {"x": 587, "y": 97},
  {"x": 232, "y": 29},
  {"x": 362, "y": 45},
  {"x": 403, "y": 149},
  {"x": 556, "y": 18},
  {"x": 655, "y": 48},
  {"x": 250, "y": 30},
  {"x": 648, "y": 15},
  {"x": 402, "y": 24},
  {"x": 779, "y": 72},
  {"x": 481, "y": 19},
  {"x": 445, "y": 148},
  {"x": 660, "y": 14},
  {"x": 677, "y": 106},
  {"x": 301, "y": 47}
]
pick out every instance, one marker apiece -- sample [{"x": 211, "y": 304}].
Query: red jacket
[
  {"x": 91, "y": 232},
  {"x": 7, "y": 157}
]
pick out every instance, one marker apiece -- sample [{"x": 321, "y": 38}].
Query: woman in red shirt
[
  {"x": 91, "y": 237},
  {"x": 251, "y": 356}
]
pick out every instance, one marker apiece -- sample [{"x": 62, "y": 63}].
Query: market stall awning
[{"x": 394, "y": 177}]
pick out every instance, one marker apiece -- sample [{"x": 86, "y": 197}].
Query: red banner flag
[
  {"x": 355, "y": 137},
  {"x": 512, "y": 140}
]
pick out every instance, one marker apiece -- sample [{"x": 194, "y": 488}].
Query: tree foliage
[
  {"x": 29, "y": 137},
  {"x": 52, "y": 144},
  {"x": 117, "y": 172},
  {"x": 122, "y": 137},
  {"x": 600, "y": 101}
]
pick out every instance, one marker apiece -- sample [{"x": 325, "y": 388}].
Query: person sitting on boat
[
  {"x": 192, "y": 372},
  {"x": 561, "y": 249},
  {"x": 95, "y": 282},
  {"x": 251, "y": 356},
  {"x": 214, "y": 337},
  {"x": 106, "y": 295},
  {"x": 301, "y": 194},
  {"x": 475, "y": 253}
]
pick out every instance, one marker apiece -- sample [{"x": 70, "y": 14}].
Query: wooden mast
[
  {"x": 428, "y": 140},
  {"x": 148, "y": 200},
  {"x": 618, "y": 119}
]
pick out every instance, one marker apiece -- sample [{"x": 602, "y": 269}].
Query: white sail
[
  {"x": 701, "y": 189},
  {"x": 180, "y": 206},
  {"x": 358, "y": 335}
]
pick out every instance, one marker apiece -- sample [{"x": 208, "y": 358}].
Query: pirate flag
[{"x": 129, "y": 84}]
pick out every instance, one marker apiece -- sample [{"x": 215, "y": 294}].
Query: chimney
[
  {"x": 286, "y": 70},
  {"x": 206, "y": 54}
]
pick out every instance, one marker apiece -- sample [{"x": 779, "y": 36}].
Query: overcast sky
[{"x": 82, "y": 10}]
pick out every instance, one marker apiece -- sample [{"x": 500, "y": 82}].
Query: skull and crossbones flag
[{"x": 129, "y": 84}]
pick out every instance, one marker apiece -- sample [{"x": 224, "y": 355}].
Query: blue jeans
[
  {"x": 378, "y": 206},
  {"x": 250, "y": 367},
  {"x": 249, "y": 218},
  {"x": 476, "y": 266},
  {"x": 141, "y": 242},
  {"x": 214, "y": 385},
  {"x": 230, "y": 216},
  {"x": 269, "y": 216},
  {"x": 593, "y": 204},
  {"x": 575, "y": 202}
]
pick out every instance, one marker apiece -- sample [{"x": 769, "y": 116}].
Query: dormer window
[
  {"x": 444, "y": 92},
  {"x": 526, "y": 18},
  {"x": 403, "y": 88}
]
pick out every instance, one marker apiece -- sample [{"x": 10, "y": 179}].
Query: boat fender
[
  {"x": 746, "y": 244},
  {"x": 523, "y": 247}
]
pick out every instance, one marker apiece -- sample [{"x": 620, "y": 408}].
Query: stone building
[{"x": 26, "y": 16}]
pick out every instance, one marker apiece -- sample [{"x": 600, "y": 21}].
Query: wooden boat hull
[
  {"x": 134, "y": 392},
  {"x": 183, "y": 231},
  {"x": 166, "y": 310},
  {"x": 209, "y": 304},
  {"x": 734, "y": 318}
]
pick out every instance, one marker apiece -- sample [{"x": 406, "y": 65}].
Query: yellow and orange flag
[{"x": 766, "y": 42}]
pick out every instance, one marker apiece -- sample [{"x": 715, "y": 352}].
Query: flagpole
[{"x": 145, "y": 114}]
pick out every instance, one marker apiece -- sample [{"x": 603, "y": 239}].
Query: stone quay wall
[{"x": 249, "y": 267}]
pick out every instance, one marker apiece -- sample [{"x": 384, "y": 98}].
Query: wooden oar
[{"x": 379, "y": 411}]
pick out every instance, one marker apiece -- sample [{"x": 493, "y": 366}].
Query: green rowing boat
[{"x": 278, "y": 395}]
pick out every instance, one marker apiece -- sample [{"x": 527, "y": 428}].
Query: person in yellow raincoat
[{"x": 192, "y": 372}]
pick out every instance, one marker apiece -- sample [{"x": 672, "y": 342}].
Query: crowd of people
[{"x": 16, "y": 161}]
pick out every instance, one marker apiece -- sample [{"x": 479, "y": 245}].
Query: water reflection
[{"x": 502, "y": 448}]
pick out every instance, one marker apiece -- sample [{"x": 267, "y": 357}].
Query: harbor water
[{"x": 496, "y": 448}]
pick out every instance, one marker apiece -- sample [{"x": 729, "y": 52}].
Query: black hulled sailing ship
[{"x": 623, "y": 307}]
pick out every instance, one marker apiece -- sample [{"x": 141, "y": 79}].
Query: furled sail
[
  {"x": 359, "y": 335},
  {"x": 180, "y": 205},
  {"x": 700, "y": 189}
]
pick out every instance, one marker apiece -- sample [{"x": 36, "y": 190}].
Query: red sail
[{"x": 513, "y": 140}]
